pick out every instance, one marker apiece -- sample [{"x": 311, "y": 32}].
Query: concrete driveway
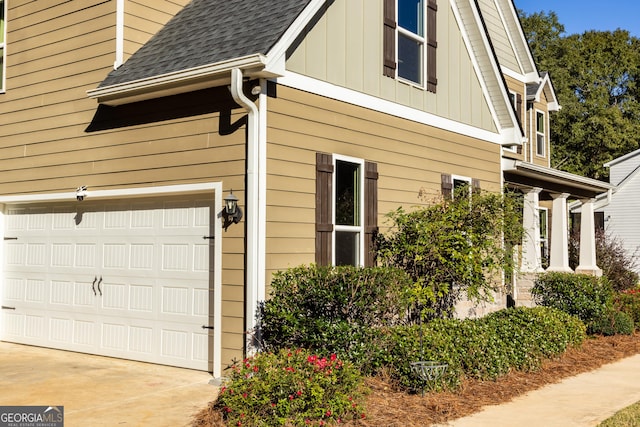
[{"x": 101, "y": 391}]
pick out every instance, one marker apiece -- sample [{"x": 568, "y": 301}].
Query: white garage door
[{"x": 128, "y": 279}]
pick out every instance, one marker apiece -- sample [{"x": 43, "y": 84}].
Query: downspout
[
  {"x": 254, "y": 259},
  {"x": 119, "y": 34}
]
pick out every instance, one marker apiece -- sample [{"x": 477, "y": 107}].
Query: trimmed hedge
[
  {"x": 486, "y": 348},
  {"x": 612, "y": 322},
  {"x": 335, "y": 310},
  {"x": 586, "y": 297}
]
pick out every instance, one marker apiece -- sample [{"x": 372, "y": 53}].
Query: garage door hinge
[
  {"x": 207, "y": 327},
  {"x": 10, "y": 238}
]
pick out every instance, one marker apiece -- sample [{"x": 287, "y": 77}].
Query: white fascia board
[
  {"x": 276, "y": 56},
  {"x": 513, "y": 15},
  {"x": 495, "y": 68},
  {"x": 176, "y": 82},
  {"x": 621, "y": 159},
  {"x": 339, "y": 93}
]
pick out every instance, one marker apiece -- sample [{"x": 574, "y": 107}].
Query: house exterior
[
  {"x": 616, "y": 210},
  {"x": 126, "y": 124}
]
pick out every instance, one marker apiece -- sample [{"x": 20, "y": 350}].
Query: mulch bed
[{"x": 389, "y": 407}]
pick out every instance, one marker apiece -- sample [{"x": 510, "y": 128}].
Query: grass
[{"x": 628, "y": 417}]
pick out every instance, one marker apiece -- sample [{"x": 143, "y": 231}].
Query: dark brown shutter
[
  {"x": 446, "y": 186},
  {"x": 389, "y": 38},
  {"x": 371, "y": 212},
  {"x": 324, "y": 191},
  {"x": 519, "y": 106},
  {"x": 475, "y": 186},
  {"x": 432, "y": 45}
]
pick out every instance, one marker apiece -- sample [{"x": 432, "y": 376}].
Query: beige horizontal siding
[{"x": 410, "y": 157}]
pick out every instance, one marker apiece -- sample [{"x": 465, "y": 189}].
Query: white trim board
[{"x": 319, "y": 87}]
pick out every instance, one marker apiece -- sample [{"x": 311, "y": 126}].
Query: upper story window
[
  {"x": 540, "y": 133},
  {"x": 2, "y": 44},
  {"x": 410, "y": 41}
]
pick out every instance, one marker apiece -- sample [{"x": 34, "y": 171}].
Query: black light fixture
[{"x": 232, "y": 211}]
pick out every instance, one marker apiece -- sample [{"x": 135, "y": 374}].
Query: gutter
[
  {"x": 182, "y": 81},
  {"x": 254, "y": 233}
]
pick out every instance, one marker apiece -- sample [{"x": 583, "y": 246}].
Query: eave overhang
[
  {"x": 203, "y": 77},
  {"x": 525, "y": 174}
]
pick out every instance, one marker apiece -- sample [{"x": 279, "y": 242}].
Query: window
[
  {"x": 540, "y": 133},
  {"x": 348, "y": 231},
  {"x": 544, "y": 236},
  {"x": 410, "y": 41},
  {"x": 452, "y": 184},
  {"x": 346, "y": 210},
  {"x": 2, "y": 44}
]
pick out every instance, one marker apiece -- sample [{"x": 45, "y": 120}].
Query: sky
[{"x": 579, "y": 16}]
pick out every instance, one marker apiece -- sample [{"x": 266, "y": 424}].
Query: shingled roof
[{"x": 208, "y": 32}]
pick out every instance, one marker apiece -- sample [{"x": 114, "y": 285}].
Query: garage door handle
[
  {"x": 100, "y": 281},
  {"x": 207, "y": 327},
  {"x": 4, "y": 307},
  {"x": 93, "y": 286}
]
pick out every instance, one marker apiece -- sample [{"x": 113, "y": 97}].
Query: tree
[{"x": 595, "y": 75}]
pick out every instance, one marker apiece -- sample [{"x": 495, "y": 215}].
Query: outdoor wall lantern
[{"x": 232, "y": 212}]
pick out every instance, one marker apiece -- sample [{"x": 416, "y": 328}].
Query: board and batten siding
[
  {"x": 410, "y": 157},
  {"x": 499, "y": 37},
  {"x": 344, "y": 47},
  {"x": 55, "y": 54}
]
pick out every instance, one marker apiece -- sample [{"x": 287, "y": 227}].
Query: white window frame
[
  {"x": 543, "y": 133},
  {"x": 348, "y": 228},
  {"x": 459, "y": 178},
  {"x": 3, "y": 46},
  {"x": 422, "y": 40}
]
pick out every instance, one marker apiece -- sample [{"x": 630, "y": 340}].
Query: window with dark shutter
[
  {"x": 432, "y": 45},
  {"x": 346, "y": 210},
  {"x": 324, "y": 201},
  {"x": 410, "y": 36}
]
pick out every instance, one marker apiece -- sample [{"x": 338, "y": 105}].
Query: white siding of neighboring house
[
  {"x": 621, "y": 215},
  {"x": 619, "y": 171}
]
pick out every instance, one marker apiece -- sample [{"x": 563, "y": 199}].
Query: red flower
[
  {"x": 299, "y": 392},
  {"x": 244, "y": 395},
  {"x": 328, "y": 413},
  {"x": 333, "y": 357}
]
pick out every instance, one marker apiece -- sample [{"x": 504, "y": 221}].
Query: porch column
[
  {"x": 559, "y": 256},
  {"x": 531, "y": 251},
  {"x": 588, "y": 241}
]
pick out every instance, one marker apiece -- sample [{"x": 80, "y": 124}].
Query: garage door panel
[{"x": 126, "y": 279}]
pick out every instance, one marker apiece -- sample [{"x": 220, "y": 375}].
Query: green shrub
[
  {"x": 292, "y": 387},
  {"x": 629, "y": 302},
  {"x": 453, "y": 241},
  {"x": 586, "y": 297},
  {"x": 336, "y": 310},
  {"x": 485, "y": 348},
  {"x": 612, "y": 322}
]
